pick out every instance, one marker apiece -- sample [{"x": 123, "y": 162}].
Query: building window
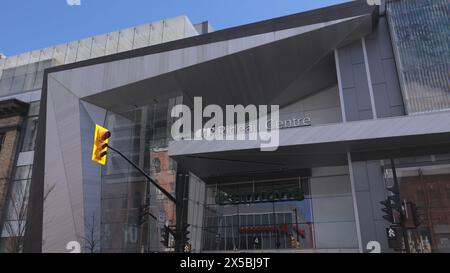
[
  {"x": 157, "y": 165},
  {"x": 15, "y": 222},
  {"x": 34, "y": 109},
  {"x": 31, "y": 126}
]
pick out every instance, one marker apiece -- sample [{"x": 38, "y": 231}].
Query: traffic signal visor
[{"x": 101, "y": 139}]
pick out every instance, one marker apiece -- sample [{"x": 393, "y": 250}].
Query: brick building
[{"x": 12, "y": 114}]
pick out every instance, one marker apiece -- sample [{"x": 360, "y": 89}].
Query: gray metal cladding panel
[
  {"x": 354, "y": 82},
  {"x": 345, "y": 64},
  {"x": 381, "y": 98},
  {"x": 377, "y": 187},
  {"x": 356, "y": 52},
  {"x": 380, "y": 229},
  {"x": 360, "y": 176},
  {"x": 351, "y": 104},
  {"x": 362, "y": 87},
  {"x": 365, "y": 114},
  {"x": 325, "y": 234},
  {"x": 392, "y": 83},
  {"x": 383, "y": 72},
  {"x": 366, "y": 221}
]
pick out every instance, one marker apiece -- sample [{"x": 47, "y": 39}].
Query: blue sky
[{"x": 33, "y": 24}]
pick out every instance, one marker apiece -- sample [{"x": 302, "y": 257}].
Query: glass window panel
[
  {"x": 38, "y": 80},
  {"x": 24, "y": 58},
  {"x": 8, "y": 73},
  {"x": 173, "y": 29},
  {"x": 30, "y": 79},
  {"x": 34, "y": 57},
  {"x": 32, "y": 68},
  {"x": 20, "y": 70},
  {"x": 18, "y": 84},
  {"x": 30, "y": 134},
  {"x": 84, "y": 50},
  {"x": 2, "y": 64},
  {"x": 112, "y": 42},
  {"x": 13, "y": 229},
  {"x": 60, "y": 53},
  {"x": 18, "y": 200},
  {"x": 46, "y": 54},
  {"x": 34, "y": 108},
  {"x": 156, "y": 33},
  {"x": 23, "y": 172},
  {"x": 142, "y": 36},
  {"x": 5, "y": 86},
  {"x": 98, "y": 46},
  {"x": 126, "y": 39},
  {"x": 71, "y": 54},
  {"x": 11, "y": 62},
  {"x": 44, "y": 65}
]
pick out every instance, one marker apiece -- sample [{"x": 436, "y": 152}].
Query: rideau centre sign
[
  {"x": 223, "y": 198},
  {"x": 291, "y": 123}
]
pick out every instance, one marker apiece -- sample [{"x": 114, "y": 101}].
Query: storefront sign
[
  {"x": 223, "y": 198},
  {"x": 290, "y": 123}
]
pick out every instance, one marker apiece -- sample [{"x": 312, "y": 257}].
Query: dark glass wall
[{"x": 142, "y": 134}]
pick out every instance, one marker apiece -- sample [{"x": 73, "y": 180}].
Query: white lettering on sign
[
  {"x": 73, "y": 247},
  {"x": 373, "y": 247}
]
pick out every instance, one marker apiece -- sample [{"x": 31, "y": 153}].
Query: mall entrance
[{"x": 259, "y": 214}]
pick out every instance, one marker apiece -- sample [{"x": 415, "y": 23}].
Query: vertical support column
[
  {"x": 369, "y": 190},
  {"x": 341, "y": 94},
  {"x": 369, "y": 79},
  {"x": 355, "y": 203}
]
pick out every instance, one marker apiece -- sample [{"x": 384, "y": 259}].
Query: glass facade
[
  {"x": 17, "y": 197},
  {"x": 421, "y": 40},
  {"x": 16, "y": 210},
  {"x": 142, "y": 134},
  {"x": 21, "y": 77},
  {"x": 258, "y": 215},
  {"x": 425, "y": 182},
  {"x": 285, "y": 214}
]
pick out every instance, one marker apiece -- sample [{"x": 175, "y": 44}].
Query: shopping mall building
[{"x": 359, "y": 87}]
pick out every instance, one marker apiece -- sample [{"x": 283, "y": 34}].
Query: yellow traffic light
[{"x": 101, "y": 139}]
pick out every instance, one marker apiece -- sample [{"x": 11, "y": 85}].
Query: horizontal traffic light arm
[
  {"x": 167, "y": 194},
  {"x": 171, "y": 231}
]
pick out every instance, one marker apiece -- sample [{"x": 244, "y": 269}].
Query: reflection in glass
[
  {"x": 420, "y": 38},
  {"x": 259, "y": 215},
  {"x": 31, "y": 126},
  {"x": 425, "y": 184}
]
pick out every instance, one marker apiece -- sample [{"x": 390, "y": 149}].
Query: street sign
[{"x": 394, "y": 237}]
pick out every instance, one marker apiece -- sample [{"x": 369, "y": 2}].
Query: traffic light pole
[
  {"x": 168, "y": 195},
  {"x": 402, "y": 215}
]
